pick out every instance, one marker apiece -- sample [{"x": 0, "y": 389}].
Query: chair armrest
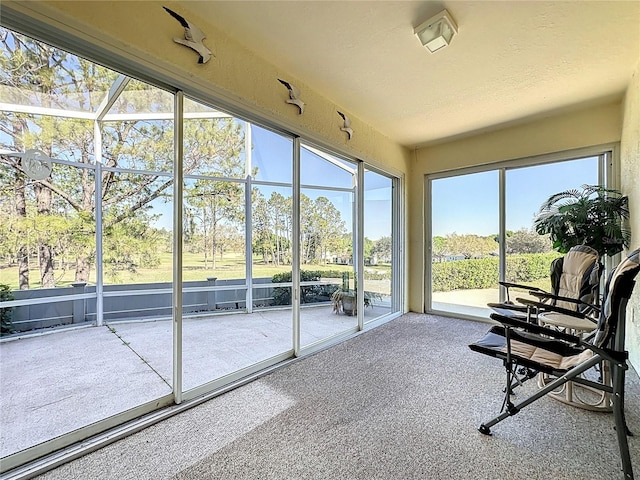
[
  {"x": 512, "y": 307},
  {"x": 535, "y": 328},
  {"x": 617, "y": 356},
  {"x": 558, "y": 298},
  {"x": 523, "y": 287},
  {"x": 554, "y": 308},
  {"x": 509, "y": 285}
]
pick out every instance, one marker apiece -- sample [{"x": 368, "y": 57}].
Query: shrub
[
  {"x": 465, "y": 274},
  {"x": 478, "y": 273},
  {"x": 6, "y": 326},
  {"x": 309, "y": 293},
  {"x": 525, "y": 268}
]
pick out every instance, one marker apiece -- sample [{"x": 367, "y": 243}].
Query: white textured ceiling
[{"x": 510, "y": 61}]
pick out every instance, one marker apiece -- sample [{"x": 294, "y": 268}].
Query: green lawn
[{"x": 230, "y": 266}]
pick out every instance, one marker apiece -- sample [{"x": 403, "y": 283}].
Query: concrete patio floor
[{"x": 57, "y": 382}]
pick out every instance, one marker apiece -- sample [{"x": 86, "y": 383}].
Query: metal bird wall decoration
[
  {"x": 346, "y": 124},
  {"x": 193, "y": 37},
  {"x": 294, "y": 96}
]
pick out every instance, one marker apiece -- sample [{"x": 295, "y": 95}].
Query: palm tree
[{"x": 594, "y": 216}]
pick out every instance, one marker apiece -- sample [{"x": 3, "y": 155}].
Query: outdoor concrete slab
[
  {"x": 58, "y": 382},
  {"x": 53, "y": 384}
]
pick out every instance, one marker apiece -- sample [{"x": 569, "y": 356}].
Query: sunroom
[{"x": 188, "y": 218}]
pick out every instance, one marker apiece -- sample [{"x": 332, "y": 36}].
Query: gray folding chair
[{"x": 565, "y": 357}]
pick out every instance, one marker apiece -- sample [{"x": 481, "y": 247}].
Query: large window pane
[
  {"x": 464, "y": 216},
  {"x": 233, "y": 227},
  {"x": 214, "y": 256},
  {"x": 75, "y": 223},
  {"x": 465, "y": 212},
  {"x": 327, "y": 245},
  {"x": 529, "y": 255},
  {"x": 379, "y": 244}
]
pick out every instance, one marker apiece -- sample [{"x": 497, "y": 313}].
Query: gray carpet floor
[{"x": 402, "y": 401}]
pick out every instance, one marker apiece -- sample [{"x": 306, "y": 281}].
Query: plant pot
[{"x": 349, "y": 305}]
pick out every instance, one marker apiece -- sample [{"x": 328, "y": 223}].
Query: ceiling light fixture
[{"x": 437, "y": 32}]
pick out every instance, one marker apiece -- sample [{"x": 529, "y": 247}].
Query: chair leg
[
  {"x": 618, "y": 372},
  {"x": 621, "y": 425},
  {"x": 511, "y": 409}
]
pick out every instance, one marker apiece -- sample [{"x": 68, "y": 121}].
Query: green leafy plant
[
  {"x": 308, "y": 293},
  {"x": 594, "y": 216},
  {"x": 6, "y": 326},
  {"x": 482, "y": 273},
  {"x": 346, "y": 301}
]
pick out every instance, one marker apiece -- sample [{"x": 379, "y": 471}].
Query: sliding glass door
[
  {"x": 529, "y": 255},
  {"x": 148, "y": 244},
  {"x": 481, "y": 229},
  {"x": 327, "y": 245},
  {"x": 86, "y": 196},
  {"x": 464, "y": 247},
  {"x": 379, "y": 245}
]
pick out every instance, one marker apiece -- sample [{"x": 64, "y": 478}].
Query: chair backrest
[
  {"x": 577, "y": 276},
  {"x": 617, "y": 291}
]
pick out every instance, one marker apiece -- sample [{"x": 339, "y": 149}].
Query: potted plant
[
  {"x": 346, "y": 300},
  {"x": 594, "y": 216}
]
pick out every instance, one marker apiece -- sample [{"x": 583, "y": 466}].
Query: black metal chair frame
[{"x": 606, "y": 345}]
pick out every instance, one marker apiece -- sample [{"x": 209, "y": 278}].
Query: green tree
[
  {"x": 329, "y": 227},
  {"x": 368, "y": 249},
  {"x": 439, "y": 248},
  {"x": 271, "y": 227},
  {"x": 213, "y": 148},
  {"x": 141, "y": 148},
  {"x": 471, "y": 246},
  {"x": 527, "y": 241},
  {"x": 308, "y": 239},
  {"x": 382, "y": 249},
  {"x": 280, "y": 212},
  {"x": 125, "y": 251},
  {"x": 211, "y": 205},
  {"x": 33, "y": 72},
  {"x": 261, "y": 227},
  {"x": 321, "y": 228}
]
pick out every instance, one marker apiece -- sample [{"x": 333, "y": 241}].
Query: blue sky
[
  {"x": 465, "y": 204},
  {"x": 468, "y": 204},
  {"x": 273, "y": 155}
]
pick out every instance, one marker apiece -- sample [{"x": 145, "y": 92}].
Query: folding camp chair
[
  {"x": 565, "y": 357},
  {"x": 575, "y": 276}
]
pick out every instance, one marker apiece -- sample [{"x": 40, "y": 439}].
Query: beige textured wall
[
  {"x": 581, "y": 128},
  {"x": 630, "y": 186}
]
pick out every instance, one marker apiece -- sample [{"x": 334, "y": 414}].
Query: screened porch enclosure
[{"x": 154, "y": 248}]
